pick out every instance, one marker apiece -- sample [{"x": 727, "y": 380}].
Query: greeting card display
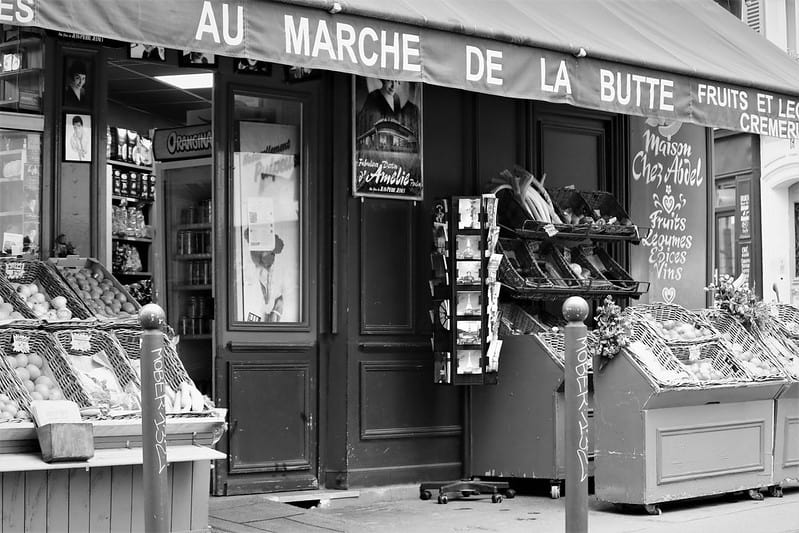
[{"x": 465, "y": 291}]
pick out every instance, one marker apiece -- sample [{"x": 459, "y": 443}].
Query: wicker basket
[
  {"x": 517, "y": 269},
  {"x": 605, "y": 272},
  {"x": 57, "y": 361},
  {"x": 718, "y": 355},
  {"x": 604, "y": 204},
  {"x": 10, "y": 296},
  {"x": 11, "y": 385},
  {"x": 570, "y": 200},
  {"x": 174, "y": 371},
  {"x": 657, "y": 360},
  {"x": 784, "y": 349},
  {"x": 742, "y": 342},
  {"x": 92, "y": 341},
  {"x": 555, "y": 345},
  {"x": 69, "y": 266},
  {"x": 48, "y": 280},
  {"x": 657, "y": 314},
  {"x": 514, "y": 320},
  {"x": 785, "y": 319}
]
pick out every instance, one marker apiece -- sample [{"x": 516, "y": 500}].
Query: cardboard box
[{"x": 66, "y": 441}]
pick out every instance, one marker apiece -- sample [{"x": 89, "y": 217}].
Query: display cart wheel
[
  {"x": 754, "y": 494},
  {"x": 775, "y": 491},
  {"x": 466, "y": 493},
  {"x": 425, "y": 494},
  {"x": 554, "y": 491},
  {"x": 442, "y": 498},
  {"x": 496, "y": 498},
  {"x": 510, "y": 494},
  {"x": 652, "y": 509}
]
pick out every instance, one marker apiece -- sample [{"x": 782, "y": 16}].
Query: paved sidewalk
[{"x": 399, "y": 509}]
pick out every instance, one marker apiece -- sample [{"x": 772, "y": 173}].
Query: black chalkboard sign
[{"x": 668, "y": 192}]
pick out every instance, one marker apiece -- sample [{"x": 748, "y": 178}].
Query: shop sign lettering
[
  {"x": 668, "y": 195},
  {"x": 208, "y": 23},
  {"x": 581, "y": 371},
  {"x": 16, "y": 12},
  {"x": 182, "y": 143}
]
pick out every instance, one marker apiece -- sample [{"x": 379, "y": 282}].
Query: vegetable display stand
[
  {"x": 518, "y": 424},
  {"x": 672, "y": 433}
]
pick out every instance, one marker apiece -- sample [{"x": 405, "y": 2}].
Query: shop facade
[{"x": 339, "y": 392}]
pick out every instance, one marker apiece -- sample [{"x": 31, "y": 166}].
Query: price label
[
  {"x": 15, "y": 270},
  {"x": 20, "y": 344},
  {"x": 81, "y": 342},
  {"x": 694, "y": 354},
  {"x": 550, "y": 230}
]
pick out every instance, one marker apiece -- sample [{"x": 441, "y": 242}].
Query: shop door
[{"x": 267, "y": 349}]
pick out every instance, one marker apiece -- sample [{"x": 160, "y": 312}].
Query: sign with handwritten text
[{"x": 668, "y": 193}]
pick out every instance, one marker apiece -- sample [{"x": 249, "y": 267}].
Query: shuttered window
[{"x": 752, "y": 15}]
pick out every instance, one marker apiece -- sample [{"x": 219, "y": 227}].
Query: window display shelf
[
  {"x": 20, "y": 73},
  {"x": 588, "y": 292},
  {"x": 576, "y": 233},
  {"x": 115, "y": 163},
  {"x": 132, "y": 199},
  {"x": 131, "y": 239},
  {"x": 192, "y": 257},
  {"x": 193, "y": 226}
]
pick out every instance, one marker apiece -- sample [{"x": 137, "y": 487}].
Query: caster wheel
[
  {"x": 425, "y": 495},
  {"x": 510, "y": 494},
  {"x": 755, "y": 494},
  {"x": 653, "y": 510},
  {"x": 442, "y": 499},
  {"x": 554, "y": 492},
  {"x": 775, "y": 491},
  {"x": 496, "y": 498}
]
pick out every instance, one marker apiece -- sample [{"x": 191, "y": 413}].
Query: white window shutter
[{"x": 752, "y": 15}]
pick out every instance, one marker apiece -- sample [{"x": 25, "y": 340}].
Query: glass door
[{"x": 20, "y": 190}]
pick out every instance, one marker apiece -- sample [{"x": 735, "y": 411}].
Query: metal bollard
[
  {"x": 577, "y": 360},
  {"x": 153, "y": 420}
]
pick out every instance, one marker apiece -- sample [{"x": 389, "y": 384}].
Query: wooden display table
[{"x": 105, "y": 492}]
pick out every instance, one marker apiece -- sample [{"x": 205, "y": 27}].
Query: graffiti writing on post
[
  {"x": 581, "y": 371},
  {"x": 160, "y": 416}
]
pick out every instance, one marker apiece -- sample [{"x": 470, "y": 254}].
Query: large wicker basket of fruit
[
  {"x": 44, "y": 368},
  {"x": 13, "y": 307},
  {"x": 15, "y": 398},
  {"x": 785, "y": 319},
  {"x": 554, "y": 343},
  {"x": 42, "y": 291},
  {"x": 182, "y": 395},
  {"x": 610, "y": 217},
  {"x": 100, "y": 291},
  {"x": 673, "y": 323},
  {"x": 102, "y": 367},
  {"x": 784, "y": 349},
  {"x": 747, "y": 351},
  {"x": 712, "y": 363},
  {"x": 657, "y": 359}
]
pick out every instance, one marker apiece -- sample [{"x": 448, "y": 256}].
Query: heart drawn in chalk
[
  {"x": 668, "y": 203},
  {"x": 668, "y": 294}
]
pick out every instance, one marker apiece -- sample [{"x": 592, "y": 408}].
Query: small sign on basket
[
  {"x": 15, "y": 270},
  {"x": 550, "y": 230},
  {"x": 81, "y": 342},
  {"x": 694, "y": 354},
  {"x": 20, "y": 343}
]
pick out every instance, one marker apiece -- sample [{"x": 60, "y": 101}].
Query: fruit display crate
[
  {"x": 56, "y": 364},
  {"x": 174, "y": 371},
  {"x": 518, "y": 425},
  {"x": 48, "y": 283},
  {"x": 100, "y": 291},
  {"x": 661, "y": 440},
  {"x": 673, "y": 323}
]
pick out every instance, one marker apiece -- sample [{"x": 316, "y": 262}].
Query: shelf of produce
[
  {"x": 548, "y": 292},
  {"x": 576, "y": 234},
  {"x": 193, "y": 287},
  {"x": 132, "y": 239},
  {"x": 192, "y": 257},
  {"x": 115, "y": 163},
  {"x": 132, "y": 199},
  {"x": 659, "y": 442}
]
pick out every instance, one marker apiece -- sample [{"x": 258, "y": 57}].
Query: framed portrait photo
[
  {"x": 78, "y": 78},
  {"x": 147, "y": 51},
  {"x": 190, "y": 58},
  {"x": 252, "y": 66},
  {"x": 77, "y": 137},
  {"x": 387, "y": 144}
]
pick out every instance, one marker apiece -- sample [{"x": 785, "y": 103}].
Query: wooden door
[{"x": 266, "y": 348}]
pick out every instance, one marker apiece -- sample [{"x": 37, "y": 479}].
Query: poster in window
[
  {"x": 266, "y": 222},
  {"x": 388, "y": 143}
]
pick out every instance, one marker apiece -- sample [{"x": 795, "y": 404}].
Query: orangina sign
[{"x": 668, "y": 193}]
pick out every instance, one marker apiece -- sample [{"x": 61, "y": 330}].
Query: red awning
[{"x": 688, "y": 60}]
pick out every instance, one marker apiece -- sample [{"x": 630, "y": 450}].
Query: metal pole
[
  {"x": 577, "y": 361},
  {"x": 153, "y": 420}
]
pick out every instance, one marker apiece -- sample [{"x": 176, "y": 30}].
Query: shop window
[
  {"x": 266, "y": 210},
  {"x": 725, "y": 244},
  {"x": 733, "y": 230},
  {"x": 20, "y": 191}
]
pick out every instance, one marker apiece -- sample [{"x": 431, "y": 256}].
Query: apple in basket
[
  {"x": 30, "y": 370},
  {"x": 44, "y": 308},
  {"x": 7, "y": 311}
]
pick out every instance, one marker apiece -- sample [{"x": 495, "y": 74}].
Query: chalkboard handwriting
[{"x": 651, "y": 163}]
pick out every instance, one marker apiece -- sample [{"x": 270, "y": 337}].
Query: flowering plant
[
  {"x": 736, "y": 297},
  {"x": 613, "y": 330}
]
